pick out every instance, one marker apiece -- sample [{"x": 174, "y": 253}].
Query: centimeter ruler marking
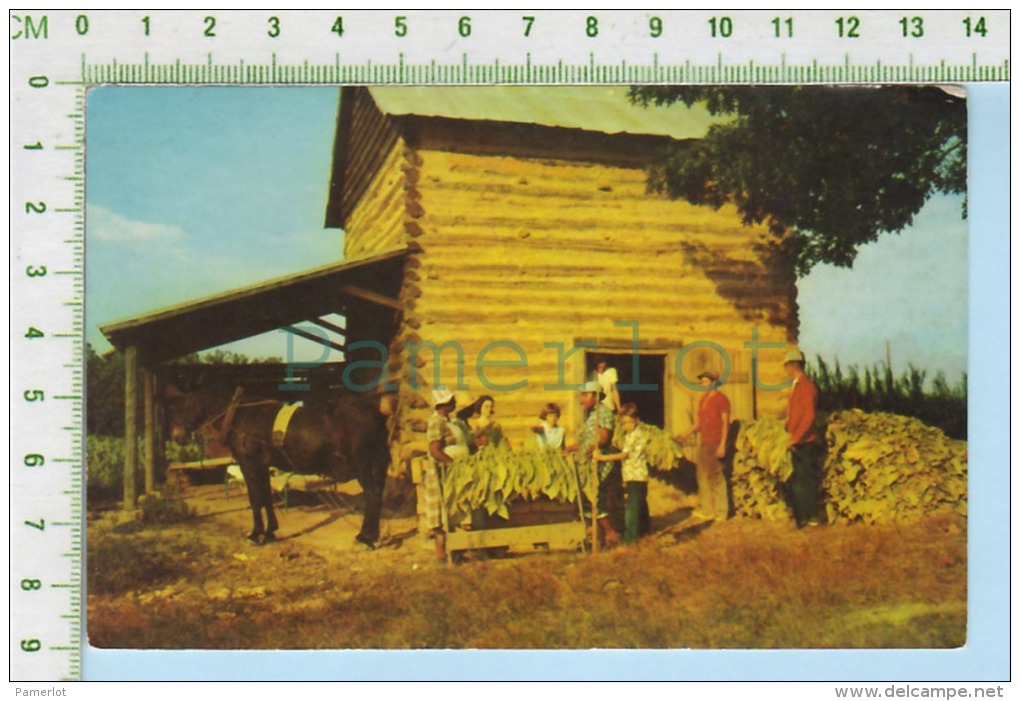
[
  {"x": 57, "y": 56},
  {"x": 527, "y": 73}
]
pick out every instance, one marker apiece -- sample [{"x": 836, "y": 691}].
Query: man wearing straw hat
[
  {"x": 439, "y": 434},
  {"x": 803, "y": 443},
  {"x": 713, "y": 423},
  {"x": 596, "y": 432}
]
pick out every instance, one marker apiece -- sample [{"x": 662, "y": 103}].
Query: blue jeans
[
  {"x": 804, "y": 482},
  {"x": 635, "y": 517}
]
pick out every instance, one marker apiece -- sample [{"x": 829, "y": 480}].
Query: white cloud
[{"x": 105, "y": 225}]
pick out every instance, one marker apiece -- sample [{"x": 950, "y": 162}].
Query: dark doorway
[{"x": 641, "y": 369}]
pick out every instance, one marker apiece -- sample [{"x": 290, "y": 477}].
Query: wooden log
[
  {"x": 149, "y": 388},
  {"x": 413, "y": 205},
  {"x": 130, "y": 426}
]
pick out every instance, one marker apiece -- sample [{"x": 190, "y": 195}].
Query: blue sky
[{"x": 192, "y": 191}]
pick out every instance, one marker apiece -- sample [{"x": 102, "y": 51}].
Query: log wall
[{"x": 538, "y": 254}]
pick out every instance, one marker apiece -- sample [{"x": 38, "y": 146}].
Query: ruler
[{"x": 57, "y": 55}]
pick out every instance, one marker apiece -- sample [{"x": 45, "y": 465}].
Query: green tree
[
  {"x": 826, "y": 169},
  {"x": 104, "y": 393},
  {"x": 104, "y": 385}
]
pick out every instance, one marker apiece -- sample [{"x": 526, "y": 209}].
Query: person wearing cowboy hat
[
  {"x": 596, "y": 432},
  {"x": 803, "y": 442},
  {"x": 713, "y": 423},
  {"x": 439, "y": 435}
]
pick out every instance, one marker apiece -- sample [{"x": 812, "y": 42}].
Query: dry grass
[{"x": 741, "y": 584}]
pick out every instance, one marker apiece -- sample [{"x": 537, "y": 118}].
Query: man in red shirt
[
  {"x": 714, "y": 425},
  {"x": 803, "y": 443}
]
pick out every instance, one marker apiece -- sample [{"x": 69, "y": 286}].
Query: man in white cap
[
  {"x": 803, "y": 443},
  {"x": 439, "y": 435},
  {"x": 597, "y": 431}
]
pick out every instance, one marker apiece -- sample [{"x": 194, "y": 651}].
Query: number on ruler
[
  {"x": 145, "y": 22},
  {"x": 721, "y": 27},
  {"x": 464, "y": 27},
  {"x": 848, "y": 27},
  {"x": 37, "y": 146},
  {"x": 35, "y": 207},
  {"x": 33, "y": 271},
  {"x": 779, "y": 24},
  {"x": 38, "y": 81},
  {"x": 34, "y": 395},
  {"x": 33, "y": 332},
  {"x": 912, "y": 27},
  {"x": 41, "y": 526},
  {"x": 32, "y": 645},
  {"x": 592, "y": 27},
  {"x": 210, "y": 26},
  {"x": 31, "y": 584},
  {"x": 81, "y": 25},
  {"x": 338, "y": 27},
  {"x": 274, "y": 27},
  {"x": 655, "y": 27},
  {"x": 975, "y": 27},
  {"x": 400, "y": 26},
  {"x": 34, "y": 460},
  {"x": 528, "y": 22}
]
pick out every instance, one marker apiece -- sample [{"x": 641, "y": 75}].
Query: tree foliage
[
  {"x": 104, "y": 393},
  {"x": 104, "y": 385},
  {"x": 826, "y": 169}
]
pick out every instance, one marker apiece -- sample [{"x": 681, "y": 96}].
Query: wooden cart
[{"x": 533, "y": 524}]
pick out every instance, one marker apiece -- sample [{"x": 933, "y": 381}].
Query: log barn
[
  {"x": 495, "y": 238},
  {"x": 531, "y": 241}
]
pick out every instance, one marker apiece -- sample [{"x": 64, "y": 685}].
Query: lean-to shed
[{"x": 532, "y": 240}]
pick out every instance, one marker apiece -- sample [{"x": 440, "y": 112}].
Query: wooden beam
[
  {"x": 328, "y": 326},
  {"x": 556, "y": 535},
  {"x": 312, "y": 337},
  {"x": 373, "y": 297},
  {"x": 130, "y": 425},
  {"x": 149, "y": 390}
]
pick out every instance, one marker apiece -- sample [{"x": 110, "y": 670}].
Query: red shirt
[
  {"x": 710, "y": 416},
  {"x": 800, "y": 414}
]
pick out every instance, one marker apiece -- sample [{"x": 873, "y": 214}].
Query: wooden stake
[
  {"x": 594, "y": 500},
  {"x": 130, "y": 425},
  {"x": 595, "y": 483},
  {"x": 149, "y": 390}
]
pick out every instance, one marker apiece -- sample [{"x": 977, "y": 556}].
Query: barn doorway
[{"x": 636, "y": 370}]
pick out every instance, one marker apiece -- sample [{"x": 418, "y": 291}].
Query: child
[
  {"x": 635, "y": 473},
  {"x": 550, "y": 433}
]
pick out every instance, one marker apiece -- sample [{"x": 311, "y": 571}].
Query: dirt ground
[{"x": 198, "y": 583}]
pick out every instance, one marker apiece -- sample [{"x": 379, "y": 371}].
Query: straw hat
[
  {"x": 441, "y": 396},
  {"x": 793, "y": 356}
]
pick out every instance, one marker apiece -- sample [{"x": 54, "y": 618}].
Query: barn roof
[
  {"x": 604, "y": 109},
  {"x": 247, "y": 311}
]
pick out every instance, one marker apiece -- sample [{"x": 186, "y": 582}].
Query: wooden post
[
  {"x": 595, "y": 490},
  {"x": 130, "y": 425},
  {"x": 149, "y": 389}
]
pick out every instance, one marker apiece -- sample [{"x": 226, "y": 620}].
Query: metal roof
[
  {"x": 604, "y": 109},
  {"x": 247, "y": 311}
]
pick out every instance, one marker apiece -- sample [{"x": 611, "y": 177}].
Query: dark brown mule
[{"x": 344, "y": 439}]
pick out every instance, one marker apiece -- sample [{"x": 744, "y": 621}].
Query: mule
[{"x": 344, "y": 439}]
